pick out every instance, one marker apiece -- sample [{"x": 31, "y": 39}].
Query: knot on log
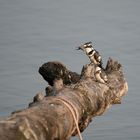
[{"x": 56, "y": 70}]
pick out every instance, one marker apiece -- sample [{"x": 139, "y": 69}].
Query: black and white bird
[
  {"x": 93, "y": 55},
  {"x": 100, "y": 75}
]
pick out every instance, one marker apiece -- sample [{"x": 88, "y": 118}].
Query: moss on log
[{"x": 48, "y": 118}]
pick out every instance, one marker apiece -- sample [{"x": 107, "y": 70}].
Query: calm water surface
[{"x": 33, "y": 32}]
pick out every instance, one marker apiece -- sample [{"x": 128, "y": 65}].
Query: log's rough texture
[{"x": 48, "y": 118}]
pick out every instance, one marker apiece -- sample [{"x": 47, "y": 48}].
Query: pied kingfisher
[{"x": 93, "y": 55}]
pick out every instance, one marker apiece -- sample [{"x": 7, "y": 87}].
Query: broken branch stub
[{"x": 49, "y": 118}]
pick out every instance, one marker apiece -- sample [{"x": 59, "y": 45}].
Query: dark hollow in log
[{"x": 48, "y": 118}]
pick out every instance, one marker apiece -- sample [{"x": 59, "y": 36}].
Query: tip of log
[{"x": 113, "y": 65}]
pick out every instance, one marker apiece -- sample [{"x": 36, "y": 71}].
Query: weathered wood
[
  {"x": 54, "y": 70},
  {"x": 48, "y": 118}
]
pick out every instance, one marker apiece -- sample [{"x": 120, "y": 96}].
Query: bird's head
[{"x": 85, "y": 46}]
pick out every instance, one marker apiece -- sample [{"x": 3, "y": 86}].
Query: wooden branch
[{"x": 48, "y": 117}]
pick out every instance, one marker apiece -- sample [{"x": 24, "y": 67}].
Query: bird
[
  {"x": 93, "y": 54},
  {"x": 100, "y": 75}
]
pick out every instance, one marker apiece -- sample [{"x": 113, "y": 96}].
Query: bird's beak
[{"x": 80, "y": 48}]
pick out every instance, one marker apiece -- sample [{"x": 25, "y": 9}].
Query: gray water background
[{"x": 33, "y": 32}]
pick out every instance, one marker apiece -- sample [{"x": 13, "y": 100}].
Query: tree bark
[{"x": 49, "y": 118}]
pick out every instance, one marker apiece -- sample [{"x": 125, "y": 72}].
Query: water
[{"x": 33, "y": 32}]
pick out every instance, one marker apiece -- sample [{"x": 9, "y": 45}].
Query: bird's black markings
[
  {"x": 96, "y": 55},
  {"x": 91, "y": 52}
]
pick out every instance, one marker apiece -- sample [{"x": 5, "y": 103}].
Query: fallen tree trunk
[{"x": 50, "y": 118}]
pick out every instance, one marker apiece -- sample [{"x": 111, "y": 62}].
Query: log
[{"x": 52, "y": 117}]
